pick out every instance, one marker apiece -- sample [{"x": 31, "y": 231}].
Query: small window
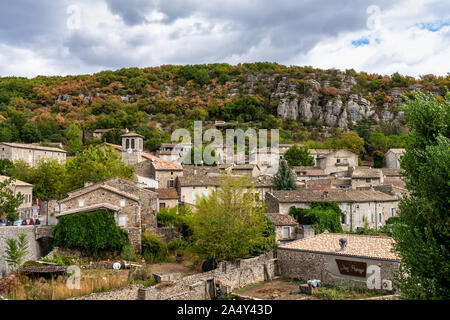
[
  {"x": 345, "y": 161},
  {"x": 380, "y": 217},
  {"x": 127, "y": 143},
  {"x": 122, "y": 203},
  {"x": 162, "y": 205},
  {"x": 392, "y": 212},
  {"x": 171, "y": 183},
  {"x": 81, "y": 203},
  {"x": 338, "y": 160},
  {"x": 286, "y": 232},
  {"x": 368, "y": 180},
  {"x": 122, "y": 221},
  {"x": 132, "y": 143}
]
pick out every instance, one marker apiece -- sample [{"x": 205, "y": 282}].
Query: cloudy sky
[{"x": 59, "y": 37}]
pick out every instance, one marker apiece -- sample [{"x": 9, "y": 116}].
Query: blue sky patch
[
  {"x": 434, "y": 26},
  {"x": 360, "y": 42}
]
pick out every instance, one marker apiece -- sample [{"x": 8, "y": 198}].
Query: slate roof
[
  {"x": 167, "y": 193},
  {"x": 282, "y": 219},
  {"x": 357, "y": 246},
  {"x": 333, "y": 195}
]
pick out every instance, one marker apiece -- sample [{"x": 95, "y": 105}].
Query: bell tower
[{"x": 132, "y": 147}]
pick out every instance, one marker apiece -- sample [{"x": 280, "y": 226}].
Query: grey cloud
[{"x": 24, "y": 22}]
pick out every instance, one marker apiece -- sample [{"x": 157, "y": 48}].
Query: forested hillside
[{"x": 305, "y": 103}]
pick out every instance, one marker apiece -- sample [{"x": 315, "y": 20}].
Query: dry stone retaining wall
[
  {"x": 201, "y": 286},
  {"x": 12, "y": 232}
]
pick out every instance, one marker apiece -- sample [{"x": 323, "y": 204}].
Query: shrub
[
  {"x": 142, "y": 276},
  {"x": 328, "y": 294},
  {"x": 322, "y": 216},
  {"x": 167, "y": 216},
  {"x": 128, "y": 252},
  {"x": 176, "y": 246},
  {"x": 153, "y": 248},
  {"x": 93, "y": 232},
  {"x": 16, "y": 250}
]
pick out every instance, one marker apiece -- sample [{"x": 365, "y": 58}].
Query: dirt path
[{"x": 274, "y": 290}]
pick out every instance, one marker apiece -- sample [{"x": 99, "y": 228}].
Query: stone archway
[{"x": 44, "y": 246}]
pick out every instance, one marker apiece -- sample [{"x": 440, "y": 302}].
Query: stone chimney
[{"x": 343, "y": 243}]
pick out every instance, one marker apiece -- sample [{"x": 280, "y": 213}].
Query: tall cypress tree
[
  {"x": 422, "y": 233},
  {"x": 284, "y": 179}
]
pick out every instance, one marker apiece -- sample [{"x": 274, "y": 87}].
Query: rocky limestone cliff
[{"x": 333, "y": 111}]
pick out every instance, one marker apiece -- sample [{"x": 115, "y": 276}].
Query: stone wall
[
  {"x": 309, "y": 265},
  {"x": 12, "y": 232},
  {"x": 167, "y": 233},
  {"x": 201, "y": 286}
]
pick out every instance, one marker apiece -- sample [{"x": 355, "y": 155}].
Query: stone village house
[
  {"x": 361, "y": 260},
  {"x": 149, "y": 169},
  {"x": 285, "y": 227},
  {"x": 18, "y": 186},
  {"x": 392, "y": 157},
  {"x": 200, "y": 181},
  {"x": 30, "y": 153},
  {"x": 133, "y": 204},
  {"x": 358, "y": 205}
]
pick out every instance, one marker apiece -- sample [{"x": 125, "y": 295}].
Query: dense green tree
[
  {"x": 95, "y": 164},
  {"x": 152, "y": 137},
  {"x": 229, "y": 223},
  {"x": 349, "y": 141},
  {"x": 321, "y": 215},
  {"x": 5, "y": 166},
  {"x": 30, "y": 133},
  {"x": 363, "y": 128},
  {"x": 9, "y": 201},
  {"x": 49, "y": 179},
  {"x": 378, "y": 142},
  {"x": 74, "y": 139},
  {"x": 298, "y": 156},
  {"x": 422, "y": 234},
  {"x": 113, "y": 136},
  {"x": 284, "y": 178}
]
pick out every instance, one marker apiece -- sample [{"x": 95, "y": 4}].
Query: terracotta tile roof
[
  {"x": 158, "y": 163},
  {"x": 16, "y": 182},
  {"x": 167, "y": 193},
  {"x": 392, "y": 172},
  {"x": 94, "y": 207},
  {"x": 351, "y": 195},
  {"x": 32, "y": 146},
  {"x": 341, "y": 182},
  {"x": 320, "y": 151},
  {"x": 282, "y": 219},
  {"x": 165, "y": 152},
  {"x": 319, "y": 182},
  {"x": 359, "y": 172},
  {"x": 395, "y": 182},
  {"x": 91, "y": 188},
  {"x": 357, "y": 245},
  {"x": 198, "y": 180}
]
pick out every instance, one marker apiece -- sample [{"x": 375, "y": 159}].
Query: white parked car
[{"x": 20, "y": 223}]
